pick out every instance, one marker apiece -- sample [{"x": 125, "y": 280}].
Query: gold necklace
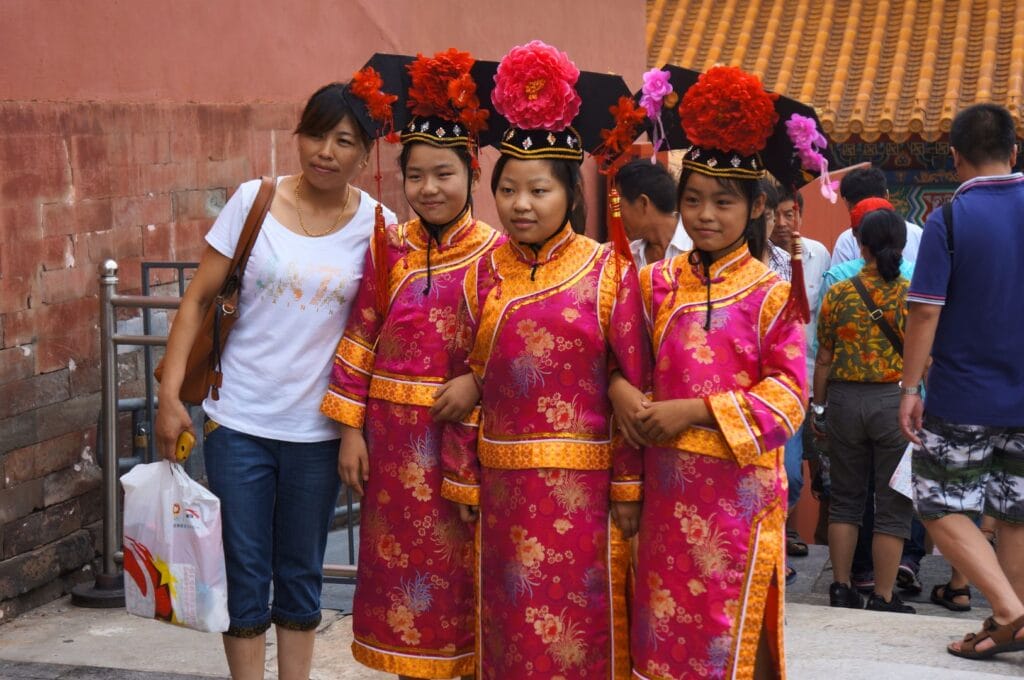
[{"x": 337, "y": 221}]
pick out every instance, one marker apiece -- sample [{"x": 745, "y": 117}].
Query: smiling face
[
  {"x": 715, "y": 214},
  {"x": 436, "y": 182},
  {"x": 332, "y": 159},
  {"x": 532, "y": 203}
]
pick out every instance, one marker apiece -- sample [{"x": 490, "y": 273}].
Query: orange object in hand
[{"x": 183, "y": 447}]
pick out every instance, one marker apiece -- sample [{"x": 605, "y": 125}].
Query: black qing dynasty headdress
[
  {"x": 556, "y": 112},
  {"x": 730, "y": 127}
]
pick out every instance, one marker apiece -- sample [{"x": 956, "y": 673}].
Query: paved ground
[{"x": 61, "y": 642}]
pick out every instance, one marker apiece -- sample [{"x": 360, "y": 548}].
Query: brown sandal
[{"x": 1003, "y": 635}]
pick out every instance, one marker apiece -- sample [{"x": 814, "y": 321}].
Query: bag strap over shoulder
[
  {"x": 877, "y": 316},
  {"x": 947, "y": 217},
  {"x": 247, "y": 239},
  {"x": 225, "y": 303}
]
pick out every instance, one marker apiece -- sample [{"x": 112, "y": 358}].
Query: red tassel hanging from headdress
[
  {"x": 797, "y": 306},
  {"x": 380, "y": 250},
  {"x": 366, "y": 84},
  {"x": 616, "y": 230},
  {"x": 611, "y": 155}
]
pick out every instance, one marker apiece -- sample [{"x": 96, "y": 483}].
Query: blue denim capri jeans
[{"x": 277, "y": 504}]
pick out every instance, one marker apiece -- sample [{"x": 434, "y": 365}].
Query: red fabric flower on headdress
[
  {"x": 366, "y": 84},
  {"x": 616, "y": 141},
  {"x": 728, "y": 109},
  {"x": 865, "y": 206},
  {"x": 534, "y": 88},
  {"x": 442, "y": 86}
]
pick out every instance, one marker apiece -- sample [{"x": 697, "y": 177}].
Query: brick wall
[{"x": 80, "y": 183}]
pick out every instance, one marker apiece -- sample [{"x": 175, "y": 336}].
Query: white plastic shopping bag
[
  {"x": 902, "y": 480},
  {"x": 173, "y": 551}
]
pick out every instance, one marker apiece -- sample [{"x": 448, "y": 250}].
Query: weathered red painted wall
[
  {"x": 245, "y": 51},
  {"x": 124, "y": 125}
]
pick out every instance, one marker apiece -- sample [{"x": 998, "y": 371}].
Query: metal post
[{"x": 108, "y": 590}]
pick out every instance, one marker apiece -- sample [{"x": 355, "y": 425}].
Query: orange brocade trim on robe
[
  {"x": 391, "y": 661},
  {"x": 412, "y": 609},
  {"x": 678, "y": 297},
  {"x": 710, "y": 558}
]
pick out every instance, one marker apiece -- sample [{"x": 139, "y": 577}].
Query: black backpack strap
[{"x": 877, "y": 316}]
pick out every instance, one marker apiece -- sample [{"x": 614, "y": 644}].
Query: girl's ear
[
  {"x": 475, "y": 178},
  {"x": 758, "y": 208}
]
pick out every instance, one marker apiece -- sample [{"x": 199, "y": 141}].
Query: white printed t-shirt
[{"x": 296, "y": 295}]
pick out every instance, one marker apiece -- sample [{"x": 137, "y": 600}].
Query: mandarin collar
[
  {"x": 450, "y": 235},
  {"x": 738, "y": 256},
  {"x": 551, "y": 248}
]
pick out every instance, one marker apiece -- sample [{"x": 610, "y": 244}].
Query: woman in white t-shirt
[{"x": 271, "y": 456}]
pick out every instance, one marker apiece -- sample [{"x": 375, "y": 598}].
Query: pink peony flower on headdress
[{"x": 534, "y": 88}]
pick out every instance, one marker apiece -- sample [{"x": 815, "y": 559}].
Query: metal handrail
[{"x": 108, "y": 589}]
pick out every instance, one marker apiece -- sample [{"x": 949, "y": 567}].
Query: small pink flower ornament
[
  {"x": 656, "y": 87},
  {"x": 808, "y": 142}
]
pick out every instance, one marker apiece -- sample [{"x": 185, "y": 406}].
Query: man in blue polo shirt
[{"x": 967, "y": 312}]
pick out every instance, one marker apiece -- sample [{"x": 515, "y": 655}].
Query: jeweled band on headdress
[
  {"x": 436, "y": 132},
  {"x": 535, "y": 144},
  {"x": 723, "y": 163}
]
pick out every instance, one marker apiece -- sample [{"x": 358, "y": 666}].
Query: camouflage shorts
[{"x": 972, "y": 469}]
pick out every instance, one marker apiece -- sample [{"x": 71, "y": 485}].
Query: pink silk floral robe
[
  {"x": 552, "y": 567},
  {"x": 413, "y": 612},
  {"x": 711, "y": 533}
]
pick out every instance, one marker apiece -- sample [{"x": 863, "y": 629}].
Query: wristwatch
[
  {"x": 818, "y": 409},
  {"x": 909, "y": 391}
]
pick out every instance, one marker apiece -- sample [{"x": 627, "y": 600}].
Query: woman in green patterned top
[{"x": 858, "y": 368}]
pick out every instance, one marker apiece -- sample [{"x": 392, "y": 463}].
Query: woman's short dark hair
[
  {"x": 747, "y": 189},
  {"x": 325, "y": 109},
  {"x": 568, "y": 174},
  {"x": 641, "y": 177},
  {"x": 884, "y": 234}
]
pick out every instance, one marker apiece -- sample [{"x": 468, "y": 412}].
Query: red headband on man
[{"x": 865, "y": 206}]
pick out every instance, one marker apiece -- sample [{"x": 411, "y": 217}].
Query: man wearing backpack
[{"x": 967, "y": 313}]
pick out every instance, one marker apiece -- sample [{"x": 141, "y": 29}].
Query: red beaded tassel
[
  {"x": 797, "y": 303},
  {"x": 616, "y": 230},
  {"x": 380, "y": 247}
]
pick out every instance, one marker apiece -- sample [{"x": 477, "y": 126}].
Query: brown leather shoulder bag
[{"x": 202, "y": 370}]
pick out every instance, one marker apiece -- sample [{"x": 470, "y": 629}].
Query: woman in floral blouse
[{"x": 858, "y": 369}]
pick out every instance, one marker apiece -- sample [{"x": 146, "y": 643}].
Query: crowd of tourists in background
[{"x": 550, "y": 433}]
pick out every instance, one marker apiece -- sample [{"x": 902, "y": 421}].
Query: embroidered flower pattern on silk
[{"x": 563, "y": 636}]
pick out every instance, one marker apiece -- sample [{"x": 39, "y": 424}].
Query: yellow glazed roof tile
[{"x": 869, "y": 67}]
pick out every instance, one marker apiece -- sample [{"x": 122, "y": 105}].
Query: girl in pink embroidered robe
[
  {"x": 413, "y": 612},
  {"x": 712, "y": 530},
  {"x": 549, "y": 327}
]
